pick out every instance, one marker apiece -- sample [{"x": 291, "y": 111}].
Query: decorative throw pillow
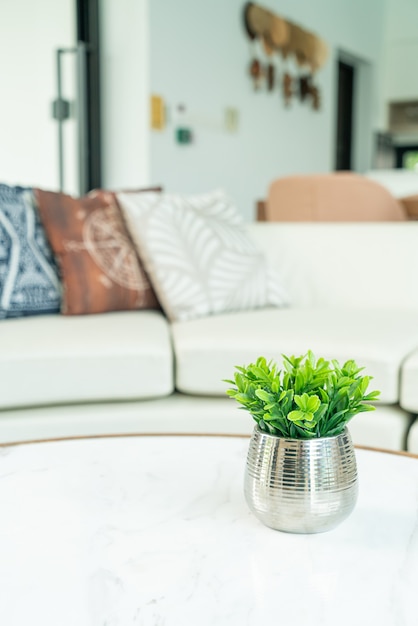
[
  {"x": 99, "y": 266},
  {"x": 29, "y": 282},
  {"x": 199, "y": 257}
]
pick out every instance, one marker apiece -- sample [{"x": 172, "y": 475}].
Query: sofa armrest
[
  {"x": 261, "y": 211},
  {"x": 410, "y": 204}
]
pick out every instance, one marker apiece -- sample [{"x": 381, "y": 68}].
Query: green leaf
[
  {"x": 308, "y": 416},
  {"x": 264, "y": 395},
  {"x": 323, "y": 395},
  {"x": 299, "y": 381},
  {"x": 319, "y": 414},
  {"x": 268, "y": 407},
  {"x": 313, "y": 404},
  {"x": 240, "y": 380},
  {"x": 300, "y": 401},
  {"x": 258, "y": 371},
  {"x": 311, "y": 358},
  {"x": 365, "y": 407},
  {"x": 242, "y": 397},
  {"x": 296, "y": 416},
  {"x": 373, "y": 395}
]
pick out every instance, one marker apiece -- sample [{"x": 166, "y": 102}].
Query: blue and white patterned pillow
[{"x": 29, "y": 283}]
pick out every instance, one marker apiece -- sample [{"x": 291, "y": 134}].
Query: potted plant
[{"x": 301, "y": 473}]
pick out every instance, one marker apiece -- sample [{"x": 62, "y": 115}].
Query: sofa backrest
[{"x": 357, "y": 265}]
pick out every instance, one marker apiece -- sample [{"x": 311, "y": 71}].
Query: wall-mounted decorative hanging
[{"x": 281, "y": 37}]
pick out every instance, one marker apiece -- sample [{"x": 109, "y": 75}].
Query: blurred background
[{"x": 161, "y": 93}]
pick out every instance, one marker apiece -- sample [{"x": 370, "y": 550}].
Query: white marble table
[{"x": 154, "y": 531}]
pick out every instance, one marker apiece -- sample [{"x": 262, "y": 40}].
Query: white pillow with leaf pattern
[{"x": 198, "y": 255}]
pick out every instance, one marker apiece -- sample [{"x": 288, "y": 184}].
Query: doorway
[
  {"x": 30, "y": 32},
  {"x": 407, "y": 157},
  {"x": 88, "y": 32},
  {"x": 30, "y": 150},
  {"x": 345, "y": 106}
]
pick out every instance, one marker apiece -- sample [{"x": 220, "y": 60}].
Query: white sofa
[
  {"x": 400, "y": 182},
  {"x": 353, "y": 294}
]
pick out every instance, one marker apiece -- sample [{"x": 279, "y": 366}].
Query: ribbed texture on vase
[{"x": 301, "y": 486}]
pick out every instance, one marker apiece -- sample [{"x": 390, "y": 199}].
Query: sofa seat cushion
[
  {"x": 58, "y": 359},
  {"x": 207, "y": 350},
  {"x": 409, "y": 383}
]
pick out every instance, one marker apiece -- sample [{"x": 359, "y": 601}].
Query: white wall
[
  {"x": 30, "y": 32},
  {"x": 400, "y": 53},
  {"x": 401, "y": 46},
  {"x": 125, "y": 92},
  {"x": 199, "y": 56}
]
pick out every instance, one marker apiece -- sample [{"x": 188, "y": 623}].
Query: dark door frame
[
  {"x": 88, "y": 31},
  {"x": 345, "y": 107}
]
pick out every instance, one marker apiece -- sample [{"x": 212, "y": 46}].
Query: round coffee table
[{"x": 154, "y": 530}]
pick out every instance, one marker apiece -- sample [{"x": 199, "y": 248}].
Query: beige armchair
[{"x": 335, "y": 197}]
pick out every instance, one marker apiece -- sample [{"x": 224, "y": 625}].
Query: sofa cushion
[
  {"x": 207, "y": 350},
  {"x": 99, "y": 266},
  {"x": 29, "y": 282},
  {"x": 198, "y": 254},
  {"x": 400, "y": 182},
  {"x": 57, "y": 359},
  {"x": 409, "y": 383}
]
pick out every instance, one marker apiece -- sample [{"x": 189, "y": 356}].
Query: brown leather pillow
[{"x": 100, "y": 269}]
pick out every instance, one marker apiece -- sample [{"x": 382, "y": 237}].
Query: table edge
[{"x": 179, "y": 434}]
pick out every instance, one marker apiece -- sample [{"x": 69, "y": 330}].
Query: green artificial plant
[{"x": 309, "y": 398}]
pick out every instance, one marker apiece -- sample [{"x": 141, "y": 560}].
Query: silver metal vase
[{"x": 301, "y": 485}]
